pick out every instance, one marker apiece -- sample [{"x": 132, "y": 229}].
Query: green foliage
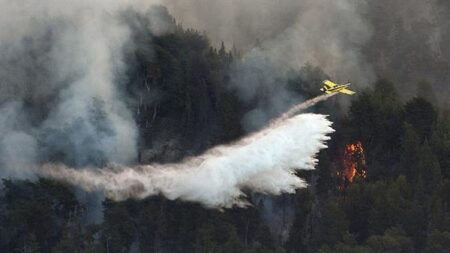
[
  {"x": 375, "y": 118},
  {"x": 182, "y": 93},
  {"x": 34, "y": 214},
  {"x": 300, "y": 235},
  {"x": 421, "y": 115},
  {"x": 440, "y": 143},
  {"x": 393, "y": 240},
  {"x": 410, "y": 152},
  {"x": 118, "y": 231},
  {"x": 438, "y": 242},
  {"x": 333, "y": 222}
]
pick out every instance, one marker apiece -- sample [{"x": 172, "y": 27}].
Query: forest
[{"x": 382, "y": 185}]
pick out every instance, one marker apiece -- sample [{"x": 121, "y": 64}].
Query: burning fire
[{"x": 353, "y": 163}]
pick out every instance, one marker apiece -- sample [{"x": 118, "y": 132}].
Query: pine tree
[
  {"x": 410, "y": 153},
  {"x": 428, "y": 168},
  {"x": 421, "y": 115}
]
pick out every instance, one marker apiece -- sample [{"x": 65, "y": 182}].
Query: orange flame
[{"x": 354, "y": 162}]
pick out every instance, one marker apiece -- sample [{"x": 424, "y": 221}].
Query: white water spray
[
  {"x": 303, "y": 106},
  {"x": 265, "y": 161}
]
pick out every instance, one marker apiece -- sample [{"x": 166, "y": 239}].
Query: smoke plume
[
  {"x": 62, "y": 99},
  {"x": 62, "y": 68},
  {"x": 61, "y": 83},
  {"x": 277, "y": 38},
  {"x": 263, "y": 162},
  {"x": 325, "y": 33}
]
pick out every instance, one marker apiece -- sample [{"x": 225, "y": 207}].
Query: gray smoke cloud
[
  {"x": 278, "y": 37},
  {"x": 17, "y": 147},
  {"x": 410, "y": 44},
  {"x": 62, "y": 74},
  {"x": 61, "y": 78},
  {"x": 349, "y": 40},
  {"x": 290, "y": 33}
]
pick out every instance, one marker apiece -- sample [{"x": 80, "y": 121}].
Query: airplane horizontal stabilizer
[{"x": 347, "y": 91}]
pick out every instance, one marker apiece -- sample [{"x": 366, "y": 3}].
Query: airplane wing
[
  {"x": 347, "y": 91},
  {"x": 329, "y": 83}
]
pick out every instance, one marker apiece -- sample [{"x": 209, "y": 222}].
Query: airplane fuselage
[{"x": 335, "y": 89}]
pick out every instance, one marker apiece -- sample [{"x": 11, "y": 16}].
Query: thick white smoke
[
  {"x": 61, "y": 72},
  {"x": 264, "y": 162}
]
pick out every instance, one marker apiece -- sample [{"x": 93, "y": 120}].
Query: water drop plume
[{"x": 265, "y": 161}]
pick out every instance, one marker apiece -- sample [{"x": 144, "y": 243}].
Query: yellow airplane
[{"x": 330, "y": 87}]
